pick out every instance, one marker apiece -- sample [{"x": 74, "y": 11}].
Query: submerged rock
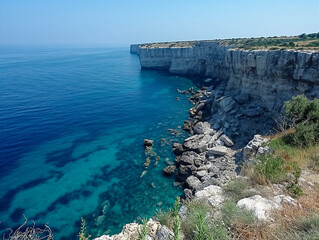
[{"x": 148, "y": 142}]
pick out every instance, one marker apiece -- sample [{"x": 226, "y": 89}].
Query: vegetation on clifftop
[{"x": 300, "y": 42}]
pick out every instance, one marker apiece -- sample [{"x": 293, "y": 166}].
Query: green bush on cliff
[{"x": 304, "y": 115}]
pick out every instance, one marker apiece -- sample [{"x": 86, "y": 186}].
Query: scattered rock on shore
[{"x": 169, "y": 170}]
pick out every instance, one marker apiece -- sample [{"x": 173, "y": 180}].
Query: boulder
[
  {"x": 188, "y": 157},
  {"x": 163, "y": 233},
  {"x": 226, "y": 140},
  {"x": 213, "y": 194},
  {"x": 218, "y": 150},
  {"x": 252, "y": 112},
  {"x": 283, "y": 199},
  {"x": 169, "y": 170},
  {"x": 260, "y": 206},
  {"x": 183, "y": 212},
  {"x": 130, "y": 231},
  {"x": 192, "y": 182},
  {"x": 201, "y": 174},
  {"x": 178, "y": 148},
  {"x": 227, "y": 104},
  {"x": 191, "y": 90},
  {"x": 148, "y": 142},
  {"x": 202, "y": 128},
  {"x": 184, "y": 172},
  {"x": 242, "y": 98},
  {"x": 188, "y": 193},
  {"x": 195, "y": 143},
  {"x": 256, "y": 146},
  {"x": 188, "y": 125}
]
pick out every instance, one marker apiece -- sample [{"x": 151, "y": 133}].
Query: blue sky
[{"x": 121, "y": 22}]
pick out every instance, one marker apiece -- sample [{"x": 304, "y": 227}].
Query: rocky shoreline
[
  {"x": 210, "y": 156},
  {"x": 205, "y": 162},
  {"x": 241, "y": 97}
]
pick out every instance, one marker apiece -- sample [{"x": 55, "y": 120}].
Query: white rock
[
  {"x": 192, "y": 182},
  {"x": 202, "y": 127},
  {"x": 130, "y": 232},
  {"x": 216, "y": 201},
  {"x": 261, "y": 207},
  {"x": 283, "y": 199},
  {"x": 213, "y": 194},
  {"x": 202, "y": 194},
  {"x": 214, "y": 190}
]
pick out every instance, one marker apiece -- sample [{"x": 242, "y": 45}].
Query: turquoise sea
[{"x": 72, "y": 125}]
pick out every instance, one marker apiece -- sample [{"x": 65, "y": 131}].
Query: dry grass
[{"x": 305, "y": 157}]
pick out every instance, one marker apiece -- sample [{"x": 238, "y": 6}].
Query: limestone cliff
[
  {"x": 269, "y": 76},
  {"x": 134, "y": 48}
]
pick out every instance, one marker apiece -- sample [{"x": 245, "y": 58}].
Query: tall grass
[
  {"x": 82, "y": 234},
  {"x": 142, "y": 232},
  {"x": 200, "y": 224}
]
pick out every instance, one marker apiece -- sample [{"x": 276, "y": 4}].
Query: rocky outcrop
[
  {"x": 255, "y": 147},
  {"x": 155, "y": 231}
]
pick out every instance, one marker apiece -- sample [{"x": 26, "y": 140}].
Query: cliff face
[
  {"x": 269, "y": 76},
  {"x": 134, "y": 49}
]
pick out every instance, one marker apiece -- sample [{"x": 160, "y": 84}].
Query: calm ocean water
[{"x": 72, "y": 124}]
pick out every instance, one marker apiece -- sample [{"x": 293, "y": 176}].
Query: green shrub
[
  {"x": 177, "y": 222},
  {"x": 165, "y": 218},
  {"x": 233, "y": 215},
  {"x": 236, "y": 188},
  {"x": 294, "y": 190},
  {"x": 304, "y": 114},
  {"x": 273, "y": 169}
]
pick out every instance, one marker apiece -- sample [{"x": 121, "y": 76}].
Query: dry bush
[{"x": 29, "y": 233}]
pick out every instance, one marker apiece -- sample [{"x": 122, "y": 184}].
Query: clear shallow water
[{"x": 72, "y": 124}]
